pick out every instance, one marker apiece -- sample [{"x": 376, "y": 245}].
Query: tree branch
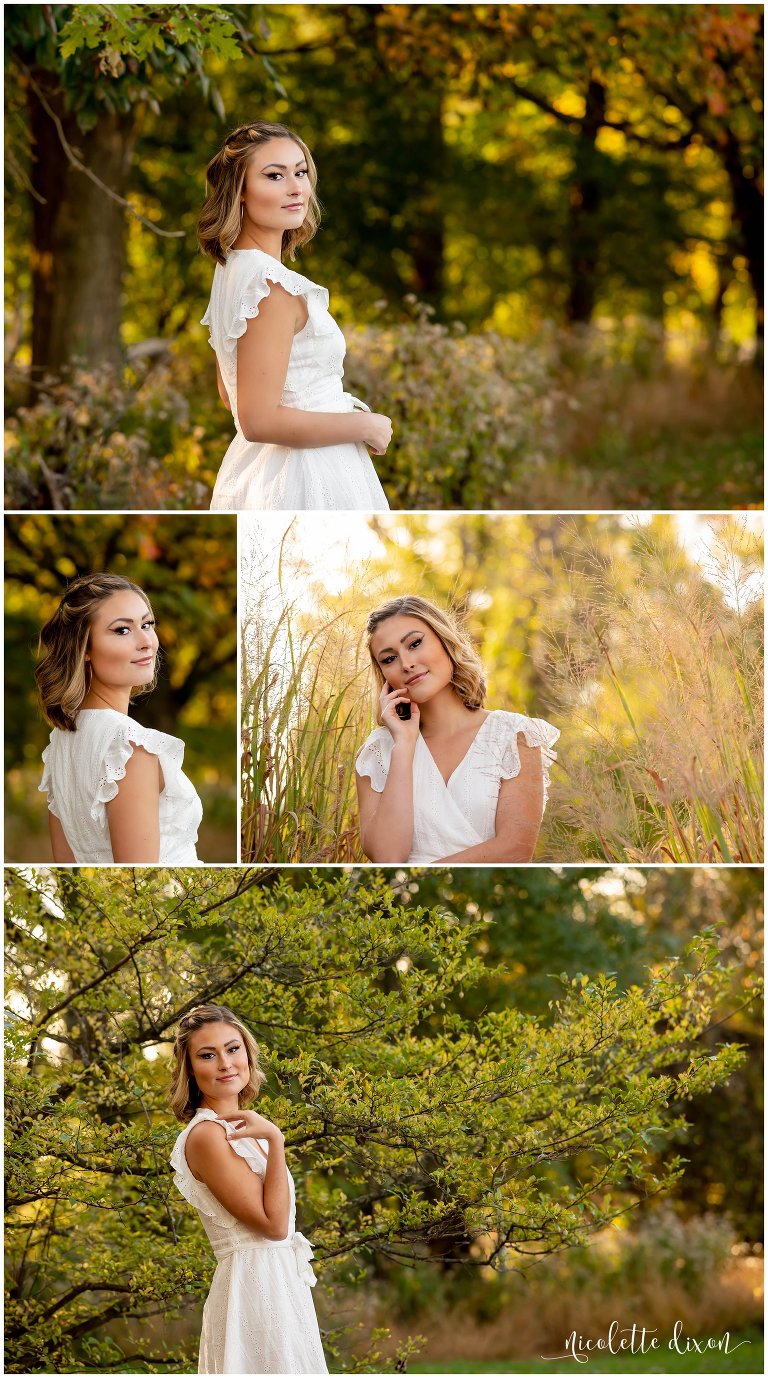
[{"x": 80, "y": 166}]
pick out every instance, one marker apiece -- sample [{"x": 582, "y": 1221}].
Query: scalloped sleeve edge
[
  {"x": 257, "y": 287},
  {"x": 537, "y": 733},
  {"x": 118, "y": 753},
  {"x": 46, "y": 785},
  {"x": 206, "y": 320},
  {"x": 374, "y": 757}
]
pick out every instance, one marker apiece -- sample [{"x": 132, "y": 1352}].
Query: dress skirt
[
  {"x": 336, "y": 478},
  {"x": 259, "y": 1316}
]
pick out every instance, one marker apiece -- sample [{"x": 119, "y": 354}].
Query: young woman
[
  {"x": 229, "y": 1164},
  {"x": 444, "y": 779},
  {"x": 301, "y": 439},
  {"x": 116, "y": 790}
]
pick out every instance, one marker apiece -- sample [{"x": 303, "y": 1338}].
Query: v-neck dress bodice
[
  {"x": 255, "y": 476},
  {"x": 451, "y": 816},
  {"x": 258, "y": 1316}
]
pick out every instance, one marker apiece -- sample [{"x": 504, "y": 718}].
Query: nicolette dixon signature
[{"x": 639, "y": 1339}]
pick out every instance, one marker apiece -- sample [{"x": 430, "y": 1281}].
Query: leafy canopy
[{"x": 415, "y": 1130}]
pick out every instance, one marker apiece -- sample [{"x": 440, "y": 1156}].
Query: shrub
[{"x": 98, "y": 440}]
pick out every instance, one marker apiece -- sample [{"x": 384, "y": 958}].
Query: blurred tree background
[
  {"x": 188, "y": 568},
  {"x": 482, "y": 1150},
  {"x": 582, "y": 182},
  {"x": 641, "y": 640}
]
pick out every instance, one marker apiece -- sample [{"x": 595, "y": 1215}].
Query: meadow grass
[
  {"x": 592, "y": 418},
  {"x": 664, "y": 759}
]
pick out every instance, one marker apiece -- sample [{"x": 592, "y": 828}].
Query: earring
[{"x": 242, "y": 208}]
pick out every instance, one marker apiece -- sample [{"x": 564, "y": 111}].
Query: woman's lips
[
  {"x": 232, "y": 1077},
  {"x": 415, "y": 680},
  {"x": 146, "y": 660}
]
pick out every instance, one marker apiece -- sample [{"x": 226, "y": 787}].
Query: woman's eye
[
  {"x": 415, "y": 643},
  {"x": 149, "y": 623},
  {"x": 303, "y": 172},
  {"x": 387, "y": 660}
]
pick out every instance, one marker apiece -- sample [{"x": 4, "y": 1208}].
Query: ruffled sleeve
[
  {"x": 206, "y": 320},
  {"x": 374, "y": 757},
  {"x": 120, "y": 739},
  {"x": 242, "y": 285},
  {"x": 197, "y": 1193},
  {"x": 46, "y": 784},
  {"x": 537, "y": 732}
]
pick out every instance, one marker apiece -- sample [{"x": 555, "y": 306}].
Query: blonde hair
[
  {"x": 184, "y": 1095},
  {"x": 220, "y": 219},
  {"x": 63, "y": 673},
  {"x": 468, "y": 673}
]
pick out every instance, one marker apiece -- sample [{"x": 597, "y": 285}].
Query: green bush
[
  {"x": 592, "y": 418},
  {"x": 473, "y": 414},
  {"x": 96, "y": 440}
]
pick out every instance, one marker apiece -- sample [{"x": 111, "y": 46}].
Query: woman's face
[
  {"x": 277, "y": 187},
  {"x": 412, "y": 657},
  {"x": 218, "y": 1060},
  {"x": 122, "y": 646}
]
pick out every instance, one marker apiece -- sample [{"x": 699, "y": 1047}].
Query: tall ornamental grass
[
  {"x": 306, "y": 710},
  {"x": 661, "y": 688}
]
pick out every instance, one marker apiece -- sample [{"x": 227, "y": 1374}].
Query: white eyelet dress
[
  {"x": 449, "y": 818},
  {"x": 81, "y": 771},
  {"x": 258, "y": 1316},
  {"x": 264, "y": 477}
]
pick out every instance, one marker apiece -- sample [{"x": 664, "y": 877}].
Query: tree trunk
[
  {"x": 748, "y": 214},
  {"x": 583, "y": 245},
  {"x": 79, "y": 236},
  {"x": 426, "y": 239}
]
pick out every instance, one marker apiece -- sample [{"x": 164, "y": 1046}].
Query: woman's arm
[
  {"x": 263, "y": 1205},
  {"x": 263, "y": 353},
  {"x": 59, "y": 845},
  {"x": 386, "y": 817},
  {"x": 133, "y": 816},
  {"x": 518, "y": 814}
]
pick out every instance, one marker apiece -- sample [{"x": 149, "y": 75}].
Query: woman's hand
[
  {"x": 402, "y": 729},
  {"x": 248, "y": 1124},
  {"x": 377, "y": 432}
]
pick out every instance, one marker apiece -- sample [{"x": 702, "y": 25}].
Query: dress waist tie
[{"x": 302, "y": 1252}]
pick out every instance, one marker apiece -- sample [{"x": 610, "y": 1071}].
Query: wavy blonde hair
[
  {"x": 63, "y": 674},
  {"x": 220, "y": 219},
  {"x": 184, "y": 1094},
  {"x": 468, "y": 673}
]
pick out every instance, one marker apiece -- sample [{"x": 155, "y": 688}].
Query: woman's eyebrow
[
  {"x": 384, "y": 649},
  {"x": 283, "y": 167},
  {"x": 147, "y": 611}
]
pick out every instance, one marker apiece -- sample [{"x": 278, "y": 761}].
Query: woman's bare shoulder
[{"x": 206, "y": 1133}]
